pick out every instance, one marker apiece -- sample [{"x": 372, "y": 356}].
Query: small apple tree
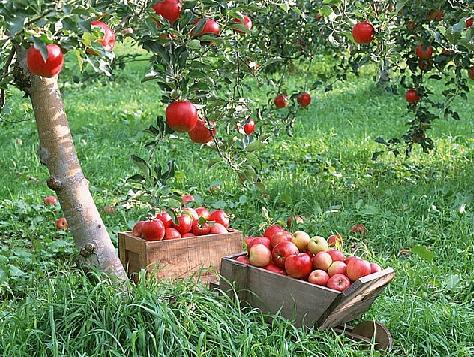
[{"x": 33, "y": 38}]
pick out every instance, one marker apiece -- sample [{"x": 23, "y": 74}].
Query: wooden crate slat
[
  {"x": 304, "y": 303},
  {"x": 178, "y": 258},
  {"x": 357, "y": 299}
]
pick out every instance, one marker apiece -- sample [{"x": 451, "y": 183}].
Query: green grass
[{"x": 324, "y": 173}]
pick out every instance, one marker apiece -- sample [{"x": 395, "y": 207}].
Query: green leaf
[
  {"x": 41, "y": 46},
  {"x": 423, "y": 252}
]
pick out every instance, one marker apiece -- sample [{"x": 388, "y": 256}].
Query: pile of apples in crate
[
  {"x": 302, "y": 257},
  {"x": 188, "y": 222}
]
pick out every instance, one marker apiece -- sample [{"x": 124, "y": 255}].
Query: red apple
[
  {"x": 348, "y": 259},
  {"x": 338, "y": 282},
  {"x": 282, "y": 251},
  {"x": 191, "y": 212},
  {"x": 357, "y": 268},
  {"x": 185, "y": 223},
  {"x": 49, "y": 68},
  {"x": 165, "y": 218},
  {"x": 171, "y": 233},
  {"x": 251, "y": 241},
  {"x": 275, "y": 269},
  {"x": 363, "y": 32},
  {"x": 187, "y": 198},
  {"x": 336, "y": 255},
  {"x": 321, "y": 261},
  {"x": 138, "y": 229},
  {"x": 424, "y": 52},
  {"x": 188, "y": 235},
  {"x": 298, "y": 266},
  {"x": 271, "y": 230},
  {"x": 281, "y": 101},
  {"x": 200, "y": 229},
  {"x": 243, "y": 259},
  {"x": 217, "y": 228},
  {"x": 280, "y": 237},
  {"x": 61, "y": 224},
  {"x": 245, "y": 21},
  {"x": 108, "y": 40},
  {"x": 304, "y": 99},
  {"x": 219, "y": 216},
  {"x": 374, "y": 268},
  {"x": 181, "y": 116},
  {"x": 301, "y": 240},
  {"x": 318, "y": 277},
  {"x": 168, "y": 9},
  {"x": 153, "y": 230},
  {"x": 317, "y": 244},
  {"x": 50, "y": 201},
  {"x": 202, "y": 212},
  {"x": 260, "y": 255},
  {"x": 334, "y": 240},
  {"x": 337, "y": 268}
]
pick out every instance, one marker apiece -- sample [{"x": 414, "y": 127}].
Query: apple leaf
[{"x": 423, "y": 252}]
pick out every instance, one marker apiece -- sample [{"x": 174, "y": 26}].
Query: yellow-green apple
[
  {"x": 374, "y": 268},
  {"x": 298, "y": 266},
  {"x": 260, "y": 255},
  {"x": 337, "y": 268},
  {"x": 357, "y": 268},
  {"x": 301, "y": 240},
  {"x": 317, "y": 244},
  {"x": 338, "y": 282},
  {"x": 271, "y": 230},
  {"x": 280, "y": 237},
  {"x": 336, "y": 255},
  {"x": 171, "y": 233},
  {"x": 318, "y": 277},
  {"x": 321, "y": 261},
  {"x": 282, "y": 251}
]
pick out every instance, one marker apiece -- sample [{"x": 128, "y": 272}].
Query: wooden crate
[
  {"x": 297, "y": 300},
  {"x": 178, "y": 258}
]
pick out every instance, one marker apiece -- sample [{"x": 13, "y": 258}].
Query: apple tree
[{"x": 34, "y": 38}]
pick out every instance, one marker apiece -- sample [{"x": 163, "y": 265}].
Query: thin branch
[{"x": 4, "y": 73}]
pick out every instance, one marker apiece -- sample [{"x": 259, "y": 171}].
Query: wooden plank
[
  {"x": 179, "y": 258},
  {"x": 357, "y": 299},
  {"x": 296, "y": 300}
]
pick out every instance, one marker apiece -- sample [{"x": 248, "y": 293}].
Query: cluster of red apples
[
  {"x": 53, "y": 64},
  {"x": 302, "y": 257},
  {"x": 363, "y": 33},
  {"x": 188, "y": 222}
]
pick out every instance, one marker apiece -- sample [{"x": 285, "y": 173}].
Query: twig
[{"x": 4, "y": 73}]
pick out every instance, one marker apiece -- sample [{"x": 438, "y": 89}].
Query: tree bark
[{"x": 58, "y": 153}]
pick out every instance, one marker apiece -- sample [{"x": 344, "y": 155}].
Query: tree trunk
[
  {"x": 384, "y": 75},
  {"x": 58, "y": 153}
]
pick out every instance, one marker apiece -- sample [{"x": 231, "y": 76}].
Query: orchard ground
[{"x": 417, "y": 211}]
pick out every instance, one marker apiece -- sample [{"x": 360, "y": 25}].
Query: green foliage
[{"x": 325, "y": 173}]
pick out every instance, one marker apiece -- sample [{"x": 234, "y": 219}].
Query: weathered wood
[
  {"x": 178, "y": 258},
  {"x": 356, "y": 300},
  {"x": 304, "y": 303}
]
